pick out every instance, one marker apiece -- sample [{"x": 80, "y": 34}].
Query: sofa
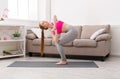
[{"x": 82, "y": 47}]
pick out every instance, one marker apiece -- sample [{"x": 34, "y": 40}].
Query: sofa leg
[
  {"x": 102, "y": 58},
  {"x": 30, "y": 54},
  {"x": 107, "y": 55}
]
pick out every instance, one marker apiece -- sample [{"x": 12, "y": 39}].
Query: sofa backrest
[
  {"x": 88, "y": 30},
  {"x": 79, "y": 30}
]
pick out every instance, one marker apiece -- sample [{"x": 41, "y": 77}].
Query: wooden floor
[{"x": 109, "y": 69}]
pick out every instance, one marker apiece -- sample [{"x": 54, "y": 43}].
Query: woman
[{"x": 57, "y": 28}]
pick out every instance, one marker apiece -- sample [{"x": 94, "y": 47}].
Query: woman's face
[{"x": 45, "y": 24}]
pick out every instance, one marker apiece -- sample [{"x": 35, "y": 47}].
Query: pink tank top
[{"x": 59, "y": 25}]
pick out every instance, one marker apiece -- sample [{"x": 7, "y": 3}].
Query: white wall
[
  {"x": 115, "y": 43},
  {"x": 80, "y": 12},
  {"x": 44, "y": 10},
  {"x": 48, "y": 10},
  {"x": 87, "y": 11}
]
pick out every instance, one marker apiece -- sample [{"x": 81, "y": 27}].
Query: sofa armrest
[
  {"x": 103, "y": 37},
  {"x": 31, "y": 36}
]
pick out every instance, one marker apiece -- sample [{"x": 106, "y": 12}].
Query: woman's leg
[
  {"x": 61, "y": 51},
  {"x": 62, "y": 54},
  {"x": 69, "y": 36}
]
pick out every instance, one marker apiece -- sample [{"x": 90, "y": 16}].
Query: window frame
[{"x": 17, "y": 15}]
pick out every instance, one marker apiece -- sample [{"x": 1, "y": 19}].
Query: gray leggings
[{"x": 70, "y": 35}]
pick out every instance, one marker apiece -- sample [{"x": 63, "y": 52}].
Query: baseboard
[
  {"x": 115, "y": 52},
  {"x": 116, "y": 55}
]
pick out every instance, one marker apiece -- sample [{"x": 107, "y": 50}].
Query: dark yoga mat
[{"x": 50, "y": 64}]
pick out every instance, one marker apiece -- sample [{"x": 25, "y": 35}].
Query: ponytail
[
  {"x": 42, "y": 39},
  {"x": 42, "y": 42}
]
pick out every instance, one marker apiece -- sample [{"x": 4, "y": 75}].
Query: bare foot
[{"x": 62, "y": 63}]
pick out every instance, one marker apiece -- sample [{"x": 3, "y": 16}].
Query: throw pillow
[
  {"x": 37, "y": 32},
  {"x": 98, "y": 32},
  {"x": 47, "y": 33},
  {"x": 31, "y": 36}
]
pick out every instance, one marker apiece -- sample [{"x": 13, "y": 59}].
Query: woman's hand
[
  {"x": 54, "y": 35},
  {"x": 55, "y": 18},
  {"x": 54, "y": 32}
]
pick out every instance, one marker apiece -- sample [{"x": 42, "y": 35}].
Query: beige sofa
[{"x": 81, "y": 47}]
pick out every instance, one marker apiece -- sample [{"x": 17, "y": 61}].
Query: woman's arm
[
  {"x": 55, "y": 36},
  {"x": 53, "y": 30},
  {"x": 54, "y": 23}
]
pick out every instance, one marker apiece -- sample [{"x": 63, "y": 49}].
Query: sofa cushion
[
  {"x": 67, "y": 44},
  {"x": 88, "y": 30},
  {"x": 47, "y": 41},
  {"x": 84, "y": 42}
]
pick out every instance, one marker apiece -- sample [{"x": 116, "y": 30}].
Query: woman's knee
[{"x": 59, "y": 42}]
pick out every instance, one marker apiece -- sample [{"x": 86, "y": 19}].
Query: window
[{"x": 23, "y": 9}]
